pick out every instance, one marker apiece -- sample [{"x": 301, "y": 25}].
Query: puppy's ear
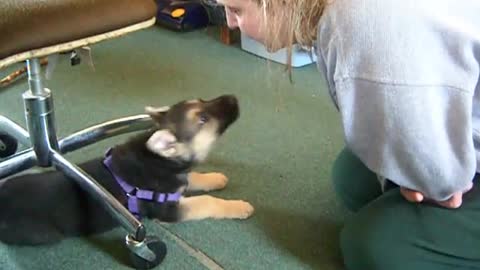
[
  {"x": 162, "y": 143},
  {"x": 157, "y": 113}
]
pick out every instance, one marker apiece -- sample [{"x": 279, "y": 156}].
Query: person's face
[{"x": 247, "y": 16}]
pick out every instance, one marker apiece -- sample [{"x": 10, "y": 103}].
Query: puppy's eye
[{"x": 203, "y": 118}]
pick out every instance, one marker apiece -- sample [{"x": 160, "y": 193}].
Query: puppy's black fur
[{"x": 47, "y": 207}]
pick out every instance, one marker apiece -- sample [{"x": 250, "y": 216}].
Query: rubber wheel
[
  {"x": 8, "y": 145},
  {"x": 158, "y": 247}
]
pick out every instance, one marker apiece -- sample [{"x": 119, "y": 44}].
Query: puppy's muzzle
[{"x": 225, "y": 109}]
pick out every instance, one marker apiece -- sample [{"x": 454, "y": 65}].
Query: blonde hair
[{"x": 300, "y": 27}]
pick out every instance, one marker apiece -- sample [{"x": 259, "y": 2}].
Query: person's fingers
[
  {"x": 411, "y": 195},
  {"x": 454, "y": 202}
]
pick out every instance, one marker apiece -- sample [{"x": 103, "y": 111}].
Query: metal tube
[
  {"x": 105, "y": 130},
  {"x": 15, "y": 130},
  {"x": 41, "y": 125},
  {"x": 19, "y": 162},
  {"x": 34, "y": 77},
  {"x": 115, "y": 208}
]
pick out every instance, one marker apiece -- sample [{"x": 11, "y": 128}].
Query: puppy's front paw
[
  {"x": 240, "y": 209},
  {"x": 206, "y": 181},
  {"x": 216, "y": 181}
]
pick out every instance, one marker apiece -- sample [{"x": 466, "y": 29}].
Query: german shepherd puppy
[{"x": 47, "y": 207}]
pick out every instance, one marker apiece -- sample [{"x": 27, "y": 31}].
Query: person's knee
[
  {"x": 353, "y": 182},
  {"x": 380, "y": 235},
  {"x": 362, "y": 247}
]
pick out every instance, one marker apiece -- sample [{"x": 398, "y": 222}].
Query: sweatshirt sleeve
[
  {"x": 403, "y": 82},
  {"x": 420, "y": 137}
]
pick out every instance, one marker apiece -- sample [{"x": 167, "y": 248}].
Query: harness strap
[{"x": 135, "y": 194}]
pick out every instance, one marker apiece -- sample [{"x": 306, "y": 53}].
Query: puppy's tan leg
[
  {"x": 206, "y": 181},
  {"x": 206, "y": 206}
]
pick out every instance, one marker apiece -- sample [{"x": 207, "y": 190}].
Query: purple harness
[{"x": 135, "y": 194}]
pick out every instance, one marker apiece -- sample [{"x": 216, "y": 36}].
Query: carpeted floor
[{"x": 278, "y": 155}]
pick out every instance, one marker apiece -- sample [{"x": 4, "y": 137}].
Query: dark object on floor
[
  {"x": 181, "y": 15},
  {"x": 8, "y": 145},
  {"x": 216, "y": 12}
]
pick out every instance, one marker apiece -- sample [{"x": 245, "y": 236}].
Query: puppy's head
[{"x": 188, "y": 130}]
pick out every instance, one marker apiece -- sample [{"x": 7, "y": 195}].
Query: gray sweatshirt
[{"x": 404, "y": 75}]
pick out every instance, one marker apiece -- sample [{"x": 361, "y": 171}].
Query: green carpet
[
  {"x": 277, "y": 156},
  {"x": 100, "y": 252}
]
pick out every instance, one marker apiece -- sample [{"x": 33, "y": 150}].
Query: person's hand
[{"x": 455, "y": 201}]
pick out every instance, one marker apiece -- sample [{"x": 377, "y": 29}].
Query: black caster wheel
[
  {"x": 8, "y": 145},
  {"x": 148, "y": 253}
]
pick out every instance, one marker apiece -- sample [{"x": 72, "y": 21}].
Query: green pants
[{"x": 387, "y": 233}]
